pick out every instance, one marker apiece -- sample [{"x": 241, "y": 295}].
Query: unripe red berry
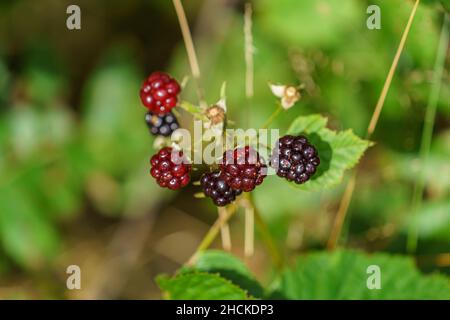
[
  {"x": 159, "y": 93},
  {"x": 169, "y": 169}
]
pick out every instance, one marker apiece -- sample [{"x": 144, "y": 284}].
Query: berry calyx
[
  {"x": 161, "y": 125},
  {"x": 243, "y": 168},
  {"x": 169, "y": 169},
  {"x": 215, "y": 187},
  {"x": 159, "y": 93},
  {"x": 295, "y": 159}
]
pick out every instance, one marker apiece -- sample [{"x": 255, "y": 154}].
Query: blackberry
[
  {"x": 295, "y": 159},
  {"x": 161, "y": 125},
  {"x": 169, "y": 170},
  {"x": 243, "y": 168},
  {"x": 159, "y": 93},
  {"x": 215, "y": 187}
]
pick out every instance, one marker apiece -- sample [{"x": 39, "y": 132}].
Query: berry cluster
[
  {"x": 161, "y": 125},
  {"x": 295, "y": 159},
  {"x": 243, "y": 168},
  {"x": 159, "y": 93},
  {"x": 169, "y": 169},
  {"x": 215, "y": 186}
]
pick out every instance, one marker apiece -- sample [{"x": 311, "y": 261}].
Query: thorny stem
[
  {"x": 427, "y": 132},
  {"x": 348, "y": 193}
]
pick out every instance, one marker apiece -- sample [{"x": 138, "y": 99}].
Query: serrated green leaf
[
  {"x": 228, "y": 267},
  {"x": 338, "y": 151},
  {"x": 343, "y": 275},
  {"x": 200, "y": 286}
]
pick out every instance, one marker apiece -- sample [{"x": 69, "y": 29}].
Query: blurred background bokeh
[{"x": 74, "y": 148}]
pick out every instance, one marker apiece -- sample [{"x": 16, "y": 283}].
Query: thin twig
[
  {"x": 269, "y": 241},
  {"x": 212, "y": 233},
  {"x": 249, "y": 247},
  {"x": 387, "y": 83},
  {"x": 225, "y": 230},
  {"x": 190, "y": 49},
  {"x": 249, "y": 50},
  {"x": 427, "y": 132},
  {"x": 348, "y": 194},
  {"x": 340, "y": 216}
]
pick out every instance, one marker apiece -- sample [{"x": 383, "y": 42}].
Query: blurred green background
[{"x": 74, "y": 148}]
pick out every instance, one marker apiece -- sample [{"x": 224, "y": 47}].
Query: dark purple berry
[
  {"x": 295, "y": 159},
  {"x": 161, "y": 125},
  {"x": 215, "y": 187}
]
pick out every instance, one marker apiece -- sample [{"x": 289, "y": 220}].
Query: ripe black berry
[
  {"x": 169, "y": 170},
  {"x": 159, "y": 93},
  {"x": 243, "y": 168},
  {"x": 295, "y": 159},
  {"x": 215, "y": 187},
  {"x": 161, "y": 125}
]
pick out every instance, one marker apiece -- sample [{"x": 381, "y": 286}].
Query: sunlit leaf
[{"x": 338, "y": 151}]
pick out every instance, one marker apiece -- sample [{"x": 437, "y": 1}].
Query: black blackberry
[
  {"x": 161, "y": 125},
  {"x": 215, "y": 187},
  {"x": 295, "y": 159}
]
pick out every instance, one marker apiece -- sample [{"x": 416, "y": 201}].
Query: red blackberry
[
  {"x": 161, "y": 125},
  {"x": 159, "y": 93},
  {"x": 215, "y": 187},
  {"x": 169, "y": 170},
  {"x": 295, "y": 159},
  {"x": 243, "y": 168}
]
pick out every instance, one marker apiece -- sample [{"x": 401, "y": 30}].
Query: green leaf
[
  {"x": 25, "y": 233},
  {"x": 343, "y": 275},
  {"x": 228, "y": 267},
  {"x": 200, "y": 286},
  {"x": 338, "y": 151}
]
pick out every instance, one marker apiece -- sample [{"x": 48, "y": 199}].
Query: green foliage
[
  {"x": 228, "y": 267},
  {"x": 338, "y": 151},
  {"x": 342, "y": 275},
  {"x": 319, "y": 275},
  {"x": 200, "y": 286}
]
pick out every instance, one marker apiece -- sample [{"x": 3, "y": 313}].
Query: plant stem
[
  {"x": 212, "y": 233},
  {"x": 427, "y": 133},
  {"x": 190, "y": 49},
  {"x": 248, "y": 50},
  {"x": 340, "y": 216},
  {"x": 224, "y": 230},
  {"x": 247, "y": 202},
  {"x": 348, "y": 193},
  {"x": 272, "y": 117},
  {"x": 270, "y": 242}
]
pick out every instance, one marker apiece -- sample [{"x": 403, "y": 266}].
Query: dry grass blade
[{"x": 348, "y": 194}]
